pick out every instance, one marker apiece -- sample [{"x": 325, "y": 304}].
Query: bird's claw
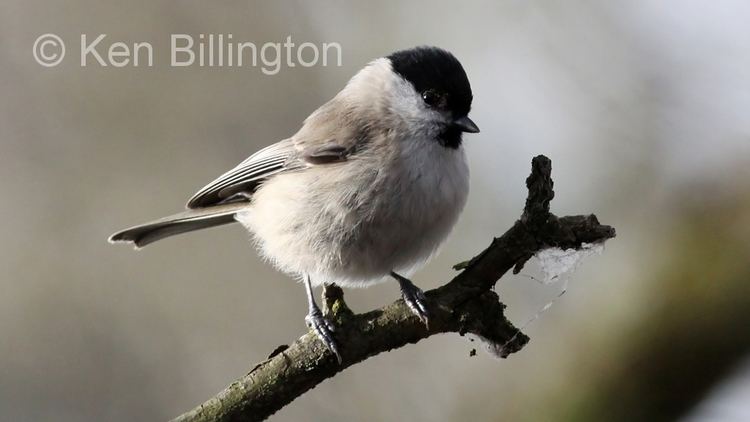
[
  {"x": 324, "y": 329},
  {"x": 416, "y": 301}
]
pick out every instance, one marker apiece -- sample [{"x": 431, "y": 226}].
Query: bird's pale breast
[{"x": 353, "y": 223}]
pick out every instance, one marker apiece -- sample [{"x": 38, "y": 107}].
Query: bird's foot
[
  {"x": 414, "y": 298},
  {"x": 324, "y": 329}
]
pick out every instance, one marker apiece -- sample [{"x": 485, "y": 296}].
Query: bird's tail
[{"x": 187, "y": 221}]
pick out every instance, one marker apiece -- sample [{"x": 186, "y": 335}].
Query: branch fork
[{"x": 466, "y": 304}]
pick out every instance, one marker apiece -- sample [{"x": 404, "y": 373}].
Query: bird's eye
[{"x": 433, "y": 98}]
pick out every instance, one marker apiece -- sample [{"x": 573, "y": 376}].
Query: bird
[{"x": 366, "y": 191}]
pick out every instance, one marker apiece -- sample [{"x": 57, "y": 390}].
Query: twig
[{"x": 466, "y": 304}]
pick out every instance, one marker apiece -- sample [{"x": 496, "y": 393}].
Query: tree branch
[{"x": 466, "y": 304}]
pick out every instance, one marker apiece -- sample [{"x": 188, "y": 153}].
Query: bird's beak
[{"x": 466, "y": 125}]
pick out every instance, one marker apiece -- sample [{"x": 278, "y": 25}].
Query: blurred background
[{"x": 643, "y": 107}]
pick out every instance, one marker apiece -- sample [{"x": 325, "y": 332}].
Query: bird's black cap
[{"x": 432, "y": 68}]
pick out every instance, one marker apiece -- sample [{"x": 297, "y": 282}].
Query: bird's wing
[
  {"x": 328, "y": 136},
  {"x": 247, "y": 175}
]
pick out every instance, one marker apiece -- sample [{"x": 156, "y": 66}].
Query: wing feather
[
  {"x": 246, "y": 175},
  {"x": 328, "y": 136}
]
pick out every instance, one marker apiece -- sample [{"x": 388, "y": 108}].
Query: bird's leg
[
  {"x": 414, "y": 297},
  {"x": 315, "y": 321}
]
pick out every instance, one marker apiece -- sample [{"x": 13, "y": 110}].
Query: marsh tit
[{"x": 367, "y": 189}]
